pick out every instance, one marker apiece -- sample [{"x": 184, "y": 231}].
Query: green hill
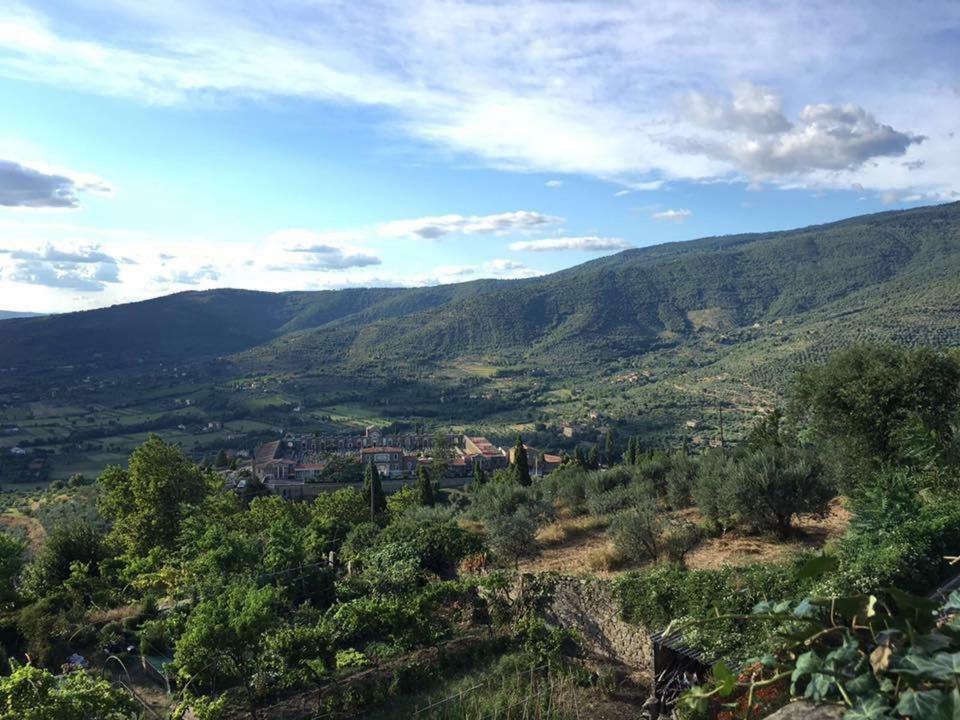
[{"x": 654, "y": 338}]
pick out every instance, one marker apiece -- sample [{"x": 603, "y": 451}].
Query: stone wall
[{"x": 588, "y": 607}]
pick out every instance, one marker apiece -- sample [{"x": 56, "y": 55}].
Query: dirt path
[
  {"x": 737, "y": 549},
  {"x": 14, "y": 520},
  {"x": 575, "y": 547}
]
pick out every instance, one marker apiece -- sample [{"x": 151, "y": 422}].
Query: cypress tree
[
  {"x": 609, "y": 450},
  {"x": 479, "y": 476},
  {"x": 631, "y": 454},
  {"x": 373, "y": 491},
  {"x": 521, "y": 466},
  {"x": 593, "y": 459},
  {"x": 424, "y": 487},
  {"x": 580, "y": 457}
]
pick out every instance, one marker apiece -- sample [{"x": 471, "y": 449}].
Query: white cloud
[
  {"x": 589, "y": 87},
  {"x": 86, "y": 269},
  {"x": 752, "y": 109},
  {"x": 826, "y": 137},
  {"x": 677, "y": 216},
  {"x": 305, "y": 250},
  {"x": 554, "y": 183},
  {"x": 200, "y": 276},
  {"x": 590, "y": 243},
  {"x": 37, "y": 186},
  {"x": 435, "y": 227}
]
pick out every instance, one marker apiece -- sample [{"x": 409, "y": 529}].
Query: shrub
[
  {"x": 636, "y": 532},
  {"x": 511, "y": 537},
  {"x": 618, "y": 498},
  {"x": 776, "y": 483},
  {"x": 678, "y": 538},
  {"x": 715, "y": 489},
  {"x": 680, "y": 481},
  {"x": 359, "y": 540}
]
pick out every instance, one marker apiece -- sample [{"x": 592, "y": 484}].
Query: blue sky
[{"x": 311, "y": 144}]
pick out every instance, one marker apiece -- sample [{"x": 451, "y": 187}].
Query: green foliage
[
  {"x": 68, "y": 545},
  {"x": 881, "y": 658},
  {"x": 224, "y": 635},
  {"x": 373, "y": 495},
  {"x": 511, "y": 536},
  {"x": 424, "y": 487},
  {"x": 636, "y": 532},
  {"x": 11, "y": 562},
  {"x": 148, "y": 501},
  {"x": 669, "y": 595},
  {"x": 521, "y": 467},
  {"x": 404, "y": 499},
  {"x": 30, "y": 693},
  {"x": 862, "y": 398},
  {"x": 776, "y": 483}
]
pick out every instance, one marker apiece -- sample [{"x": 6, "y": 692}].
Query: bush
[
  {"x": 618, "y": 498},
  {"x": 359, "y": 540},
  {"x": 680, "y": 481},
  {"x": 636, "y": 532},
  {"x": 715, "y": 489},
  {"x": 433, "y": 536},
  {"x": 776, "y": 483},
  {"x": 679, "y": 538},
  {"x": 511, "y": 537}
]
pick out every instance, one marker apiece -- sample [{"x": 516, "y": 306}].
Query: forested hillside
[
  {"x": 619, "y": 305},
  {"x": 655, "y": 338}
]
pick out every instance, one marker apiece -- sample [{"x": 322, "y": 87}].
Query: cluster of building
[{"x": 301, "y": 460}]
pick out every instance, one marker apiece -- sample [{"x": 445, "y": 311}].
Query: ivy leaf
[
  {"x": 943, "y": 666},
  {"x": 817, "y": 567},
  {"x": 863, "y": 684},
  {"x": 931, "y": 643},
  {"x": 781, "y": 607},
  {"x": 871, "y": 708},
  {"x": 725, "y": 679},
  {"x": 929, "y": 705},
  {"x": 953, "y": 602},
  {"x": 805, "y": 609},
  {"x": 764, "y": 607},
  {"x": 807, "y": 664}
]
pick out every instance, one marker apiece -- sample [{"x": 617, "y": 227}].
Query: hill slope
[
  {"x": 653, "y": 338},
  {"x": 602, "y": 310}
]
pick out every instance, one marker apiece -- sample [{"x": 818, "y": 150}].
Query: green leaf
[
  {"x": 807, "y": 664},
  {"x": 929, "y": 705},
  {"x": 805, "y": 609},
  {"x": 863, "y": 684},
  {"x": 725, "y": 679},
  {"x": 871, "y": 708},
  {"x": 905, "y": 600},
  {"x": 944, "y": 667},
  {"x": 764, "y": 607},
  {"x": 930, "y": 643},
  {"x": 953, "y": 602},
  {"x": 817, "y": 567}
]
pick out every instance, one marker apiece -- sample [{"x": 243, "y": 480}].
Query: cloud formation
[
  {"x": 677, "y": 216},
  {"x": 32, "y": 187},
  {"x": 306, "y": 250},
  {"x": 590, "y": 243},
  {"x": 431, "y": 228},
  {"x": 85, "y": 269},
  {"x": 766, "y": 144},
  {"x": 591, "y": 88}
]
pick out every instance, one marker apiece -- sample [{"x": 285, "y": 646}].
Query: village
[{"x": 294, "y": 467}]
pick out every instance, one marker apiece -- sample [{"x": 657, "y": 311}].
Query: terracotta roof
[{"x": 267, "y": 452}]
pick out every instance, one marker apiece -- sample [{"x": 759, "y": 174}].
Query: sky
[{"x": 148, "y": 148}]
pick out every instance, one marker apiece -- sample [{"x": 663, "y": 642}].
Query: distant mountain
[
  {"x": 749, "y": 307},
  {"x": 9, "y": 314}
]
